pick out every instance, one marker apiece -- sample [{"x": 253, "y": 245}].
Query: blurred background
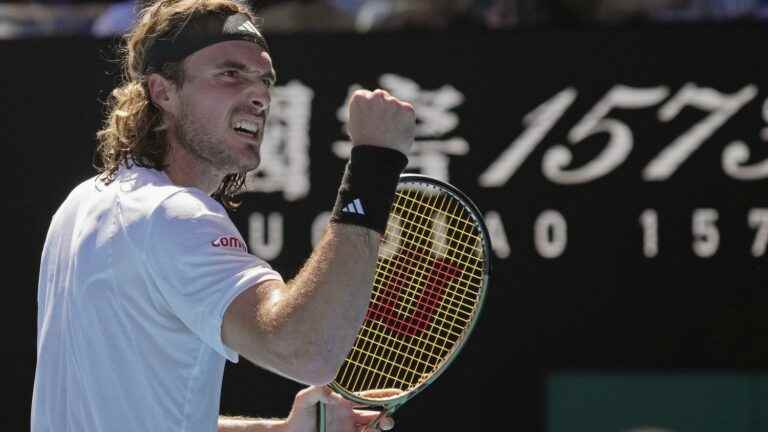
[
  {"x": 617, "y": 149},
  {"x": 19, "y": 19}
]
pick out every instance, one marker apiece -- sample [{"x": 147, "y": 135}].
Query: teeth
[{"x": 248, "y": 126}]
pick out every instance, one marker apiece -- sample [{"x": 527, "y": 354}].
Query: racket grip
[{"x": 320, "y": 417}]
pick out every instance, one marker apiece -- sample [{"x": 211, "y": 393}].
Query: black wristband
[{"x": 368, "y": 187}]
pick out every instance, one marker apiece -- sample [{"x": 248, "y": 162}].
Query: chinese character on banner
[
  {"x": 434, "y": 122},
  {"x": 285, "y": 148}
]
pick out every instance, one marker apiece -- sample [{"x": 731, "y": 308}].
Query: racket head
[{"x": 429, "y": 288}]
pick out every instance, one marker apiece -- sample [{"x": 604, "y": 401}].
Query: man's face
[{"x": 223, "y": 104}]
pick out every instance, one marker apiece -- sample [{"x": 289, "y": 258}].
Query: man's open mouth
[{"x": 248, "y": 128}]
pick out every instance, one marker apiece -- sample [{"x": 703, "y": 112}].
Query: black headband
[{"x": 199, "y": 33}]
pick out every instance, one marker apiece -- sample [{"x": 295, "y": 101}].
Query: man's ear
[{"x": 162, "y": 93}]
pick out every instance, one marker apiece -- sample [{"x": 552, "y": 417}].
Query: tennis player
[{"x": 146, "y": 287}]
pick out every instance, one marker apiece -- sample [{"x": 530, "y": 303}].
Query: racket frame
[{"x": 388, "y": 406}]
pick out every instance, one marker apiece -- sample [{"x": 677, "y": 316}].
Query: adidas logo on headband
[
  {"x": 200, "y": 32},
  {"x": 248, "y": 27}
]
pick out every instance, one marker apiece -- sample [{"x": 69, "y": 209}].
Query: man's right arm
[{"x": 304, "y": 329}]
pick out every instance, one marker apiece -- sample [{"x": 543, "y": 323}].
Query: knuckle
[{"x": 360, "y": 96}]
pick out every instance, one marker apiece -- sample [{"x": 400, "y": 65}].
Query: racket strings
[
  {"x": 418, "y": 264},
  {"x": 450, "y": 238},
  {"x": 416, "y": 270},
  {"x": 406, "y": 366},
  {"x": 449, "y": 333},
  {"x": 470, "y": 262},
  {"x": 409, "y": 351},
  {"x": 410, "y": 296},
  {"x": 417, "y": 259},
  {"x": 426, "y": 288},
  {"x": 407, "y": 202},
  {"x": 421, "y": 273}
]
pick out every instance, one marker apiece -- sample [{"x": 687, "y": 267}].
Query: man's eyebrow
[{"x": 233, "y": 64}]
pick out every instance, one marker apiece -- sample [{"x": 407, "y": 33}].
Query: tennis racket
[{"x": 429, "y": 285}]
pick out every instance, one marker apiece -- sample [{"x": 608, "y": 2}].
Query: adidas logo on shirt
[
  {"x": 355, "y": 207},
  {"x": 248, "y": 27}
]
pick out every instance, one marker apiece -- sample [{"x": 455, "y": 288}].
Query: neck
[{"x": 184, "y": 169}]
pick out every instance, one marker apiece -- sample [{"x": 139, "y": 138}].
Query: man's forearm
[
  {"x": 331, "y": 293},
  {"x": 243, "y": 424},
  {"x": 304, "y": 329}
]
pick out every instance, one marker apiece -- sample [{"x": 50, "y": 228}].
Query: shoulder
[
  {"x": 76, "y": 197},
  {"x": 184, "y": 212},
  {"x": 192, "y": 228},
  {"x": 153, "y": 193},
  {"x": 85, "y": 188},
  {"x": 188, "y": 204}
]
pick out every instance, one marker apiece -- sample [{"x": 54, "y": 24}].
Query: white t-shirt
[{"x": 134, "y": 281}]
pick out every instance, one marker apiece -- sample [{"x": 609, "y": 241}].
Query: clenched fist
[{"x": 379, "y": 119}]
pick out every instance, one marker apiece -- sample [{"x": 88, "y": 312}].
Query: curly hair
[{"x": 134, "y": 131}]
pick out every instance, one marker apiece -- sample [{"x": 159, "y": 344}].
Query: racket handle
[{"x": 320, "y": 417}]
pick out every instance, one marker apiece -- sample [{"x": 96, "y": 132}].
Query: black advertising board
[{"x": 621, "y": 171}]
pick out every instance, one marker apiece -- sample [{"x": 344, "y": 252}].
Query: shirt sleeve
[{"x": 199, "y": 262}]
